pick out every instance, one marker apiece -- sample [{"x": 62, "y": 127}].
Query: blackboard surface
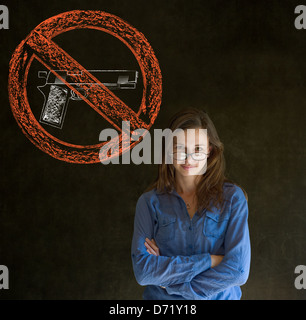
[{"x": 66, "y": 229}]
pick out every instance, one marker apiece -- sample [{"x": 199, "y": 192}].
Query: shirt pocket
[
  {"x": 166, "y": 230},
  {"x": 215, "y": 224}
]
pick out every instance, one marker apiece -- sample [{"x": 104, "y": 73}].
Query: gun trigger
[{"x": 75, "y": 96}]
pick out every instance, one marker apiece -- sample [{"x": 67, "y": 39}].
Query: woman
[{"x": 191, "y": 238}]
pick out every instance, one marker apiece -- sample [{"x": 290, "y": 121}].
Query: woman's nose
[{"x": 189, "y": 159}]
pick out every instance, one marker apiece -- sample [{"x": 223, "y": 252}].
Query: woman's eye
[{"x": 198, "y": 149}]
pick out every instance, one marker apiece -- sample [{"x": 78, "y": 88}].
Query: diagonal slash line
[{"x": 101, "y": 99}]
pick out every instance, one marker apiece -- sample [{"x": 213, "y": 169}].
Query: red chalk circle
[{"x": 39, "y": 45}]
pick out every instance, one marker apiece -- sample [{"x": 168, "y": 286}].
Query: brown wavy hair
[{"x": 209, "y": 188}]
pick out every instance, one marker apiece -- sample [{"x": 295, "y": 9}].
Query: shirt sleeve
[
  {"x": 234, "y": 268},
  {"x": 160, "y": 270}
]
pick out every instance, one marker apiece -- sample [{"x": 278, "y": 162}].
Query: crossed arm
[
  {"x": 150, "y": 269},
  {"x": 152, "y": 248}
]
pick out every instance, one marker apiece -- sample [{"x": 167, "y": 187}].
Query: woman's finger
[
  {"x": 155, "y": 246},
  {"x": 152, "y": 244},
  {"x": 150, "y": 249}
]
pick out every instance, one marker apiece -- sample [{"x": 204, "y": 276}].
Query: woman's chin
[{"x": 189, "y": 170}]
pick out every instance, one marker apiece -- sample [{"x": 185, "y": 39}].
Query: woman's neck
[{"x": 186, "y": 185}]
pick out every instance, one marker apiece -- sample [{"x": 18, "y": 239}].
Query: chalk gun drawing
[{"x": 57, "y": 94}]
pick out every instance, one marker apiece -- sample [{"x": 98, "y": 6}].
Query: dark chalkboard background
[{"x": 66, "y": 229}]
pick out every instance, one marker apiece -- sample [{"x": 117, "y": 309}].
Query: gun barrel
[{"x": 113, "y": 79}]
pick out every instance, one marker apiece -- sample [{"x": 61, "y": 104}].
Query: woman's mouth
[{"x": 188, "y": 167}]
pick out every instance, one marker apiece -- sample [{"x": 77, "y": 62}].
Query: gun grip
[{"x": 55, "y": 106}]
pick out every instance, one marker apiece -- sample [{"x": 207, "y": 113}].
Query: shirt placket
[{"x": 190, "y": 237}]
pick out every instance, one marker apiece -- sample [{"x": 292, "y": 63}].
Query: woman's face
[{"x": 194, "y": 143}]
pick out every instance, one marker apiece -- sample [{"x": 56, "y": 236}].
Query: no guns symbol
[{"x": 82, "y": 83}]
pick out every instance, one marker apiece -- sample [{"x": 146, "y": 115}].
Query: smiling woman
[{"x": 191, "y": 237}]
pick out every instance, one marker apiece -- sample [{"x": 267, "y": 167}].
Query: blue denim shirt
[{"x": 184, "y": 264}]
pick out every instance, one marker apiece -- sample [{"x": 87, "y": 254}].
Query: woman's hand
[
  {"x": 215, "y": 260},
  {"x": 151, "y": 246}
]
